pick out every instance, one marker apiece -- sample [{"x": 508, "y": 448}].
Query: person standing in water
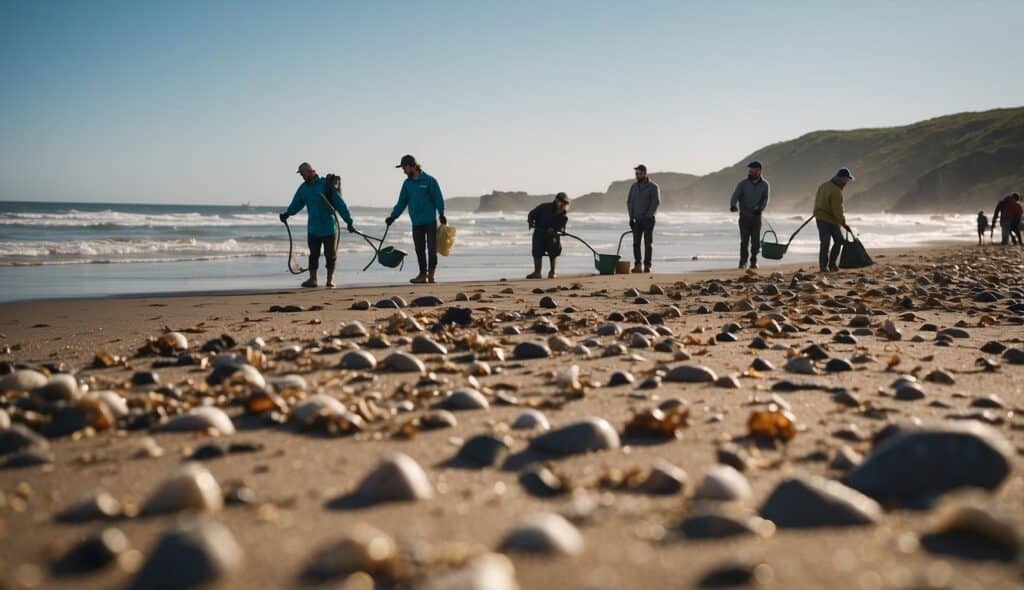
[
  {"x": 422, "y": 195},
  {"x": 750, "y": 198},
  {"x": 547, "y": 221},
  {"x": 641, "y": 204},
  {"x": 982, "y": 226},
  {"x": 830, "y": 217},
  {"x": 320, "y": 199}
]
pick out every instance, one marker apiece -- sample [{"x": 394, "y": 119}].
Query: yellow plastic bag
[{"x": 445, "y": 240}]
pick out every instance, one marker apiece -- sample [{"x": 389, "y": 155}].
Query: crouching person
[{"x": 548, "y": 221}]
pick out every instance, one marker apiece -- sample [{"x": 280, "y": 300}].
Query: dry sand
[{"x": 297, "y": 474}]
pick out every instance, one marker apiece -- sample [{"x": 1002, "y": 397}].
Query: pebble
[
  {"x": 910, "y": 392},
  {"x": 727, "y": 382},
  {"x": 993, "y": 347},
  {"x": 664, "y": 479},
  {"x": 976, "y": 518},
  {"x": 690, "y": 374},
  {"x": 801, "y": 365},
  {"x": 463, "y": 399},
  {"x": 192, "y": 487},
  {"x": 232, "y": 372},
  {"x": 437, "y": 419},
  {"x": 531, "y": 350},
  {"x": 427, "y": 301},
  {"x": 59, "y": 387},
  {"x": 144, "y": 378},
  {"x": 483, "y": 450},
  {"x": 838, "y": 365},
  {"x": 639, "y": 341},
  {"x": 426, "y": 345},
  {"x": 953, "y": 333},
  {"x": 988, "y": 401},
  {"x": 315, "y": 405},
  {"x": 541, "y": 482},
  {"x": 1014, "y": 356},
  {"x": 358, "y": 360},
  {"x": 462, "y": 316},
  {"x": 22, "y": 380},
  {"x": 940, "y": 376},
  {"x": 548, "y": 303},
  {"x": 387, "y": 304},
  {"x": 609, "y": 329},
  {"x": 194, "y": 552},
  {"x": 531, "y": 420},
  {"x": 199, "y": 419},
  {"x": 759, "y": 364},
  {"x": 360, "y": 305},
  {"x": 559, "y": 343},
  {"x": 813, "y": 501},
  {"x": 846, "y": 458},
  {"x": 723, "y": 483},
  {"x": 5, "y": 420},
  {"x": 363, "y": 548},
  {"x": 28, "y": 458},
  {"x": 926, "y": 462},
  {"x": 718, "y": 522},
  {"x": 490, "y": 571},
  {"x": 94, "y": 552},
  {"x": 66, "y": 420},
  {"x": 544, "y": 533},
  {"x": 733, "y": 455},
  {"x": 402, "y": 362},
  {"x": 587, "y": 435},
  {"x": 354, "y": 329},
  {"x": 397, "y": 478}
]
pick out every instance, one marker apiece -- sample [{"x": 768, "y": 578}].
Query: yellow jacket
[{"x": 828, "y": 203}]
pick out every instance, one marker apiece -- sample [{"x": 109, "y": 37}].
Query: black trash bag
[{"x": 854, "y": 255}]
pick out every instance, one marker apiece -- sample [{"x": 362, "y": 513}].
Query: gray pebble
[
  {"x": 587, "y": 435},
  {"x": 690, "y": 374},
  {"x": 813, "y": 501}
]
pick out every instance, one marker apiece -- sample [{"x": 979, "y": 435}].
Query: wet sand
[{"x": 298, "y": 476}]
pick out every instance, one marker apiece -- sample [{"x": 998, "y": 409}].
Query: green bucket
[
  {"x": 605, "y": 263},
  {"x": 390, "y": 256},
  {"x": 773, "y": 250}
]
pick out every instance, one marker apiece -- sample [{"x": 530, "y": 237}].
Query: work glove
[
  {"x": 283, "y": 217},
  {"x": 351, "y": 228},
  {"x": 444, "y": 220},
  {"x": 733, "y": 208},
  {"x": 389, "y": 220},
  {"x": 632, "y": 222}
]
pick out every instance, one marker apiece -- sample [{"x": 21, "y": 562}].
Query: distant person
[
  {"x": 548, "y": 221},
  {"x": 320, "y": 199},
  {"x": 999, "y": 215},
  {"x": 1013, "y": 211},
  {"x": 642, "y": 203},
  {"x": 421, "y": 193},
  {"x": 982, "y": 226},
  {"x": 750, "y": 198},
  {"x": 830, "y": 217}
]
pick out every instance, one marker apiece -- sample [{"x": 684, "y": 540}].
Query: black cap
[
  {"x": 562, "y": 197},
  {"x": 755, "y": 164},
  {"x": 407, "y": 160},
  {"x": 844, "y": 173},
  {"x": 640, "y": 167}
]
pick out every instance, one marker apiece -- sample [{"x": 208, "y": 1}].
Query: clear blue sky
[{"x": 217, "y": 102}]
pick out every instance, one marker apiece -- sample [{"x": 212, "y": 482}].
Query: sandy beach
[{"x": 296, "y": 479}]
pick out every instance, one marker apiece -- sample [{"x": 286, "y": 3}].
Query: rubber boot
[
  {"x": 552, "y": 274},
  {"x": 419, "y": 279},
  {"x": 311, "y": 282},
  {"x": 330, "y": 278},
  {"x": 536, "y": 269},
  {"x": 430, "y": 276}
]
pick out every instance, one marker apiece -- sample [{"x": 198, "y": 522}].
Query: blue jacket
[
  {"x": 321, "y": 221},
  {"x": 423, "y": 197}
]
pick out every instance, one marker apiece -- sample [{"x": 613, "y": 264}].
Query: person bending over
[
  {"x": 548, "y": 221},
  {"x": 320, "y": 199}
]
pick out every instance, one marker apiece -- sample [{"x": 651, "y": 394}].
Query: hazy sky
[{"x": 217, "y": 102}]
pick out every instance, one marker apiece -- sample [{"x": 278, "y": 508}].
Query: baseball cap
[
  {"x": 305, "y": 167},
  {"x": 844, "y": 173},
  {"x": 755, "y": 164},
  {"x": 407, "y": 160},
  {"x": 562, "y": 197},
  {"x": 640, "y": 167}
]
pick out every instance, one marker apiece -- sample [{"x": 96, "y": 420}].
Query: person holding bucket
[
  {"x": 750, "y": 198},
  {"x": 547, "y": 221},
  {"x": 320, "y": 199},
  {"x": 422, "y": 195},
  {"x": 830, "y": 217},
  {"x": 642, "y": 203}
]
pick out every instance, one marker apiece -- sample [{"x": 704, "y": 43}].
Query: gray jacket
[
  {"x": 643, "y": 200},
  {"x": 750, "y": 197}
]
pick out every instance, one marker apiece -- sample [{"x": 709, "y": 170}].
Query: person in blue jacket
[
  {"x": 320, "y": 199},
  {"x": 422, "y": 195}
]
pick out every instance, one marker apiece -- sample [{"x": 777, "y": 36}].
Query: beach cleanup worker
[
  {"x": 982, "y": 226},
  {"x": 641, "y": 204},
  {"x": 318, "y": 198},
  {"x": 750, "y": 198},
  {"x": 999, "y": 215},
  {"x": 422, "y": 195},
  {"x": 547, "y": 221},
  {"x": 1013, "y": 212},
  {"x": 830, "y": 217}
]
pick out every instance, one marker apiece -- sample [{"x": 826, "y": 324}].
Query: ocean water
[{"x": 76, "y": 249}]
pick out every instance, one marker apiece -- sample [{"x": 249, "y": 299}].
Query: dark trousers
[
  {"x": 750, "y": 236},
  {"x": 1015, "y": 231},
  {"x": 1004, "y": 229},
  {"x": 325, "y": 242},
  {"x": 424, "y": 237},
  {"x": 643, "y": 229},
  {"x": 828, "y": 231}
]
